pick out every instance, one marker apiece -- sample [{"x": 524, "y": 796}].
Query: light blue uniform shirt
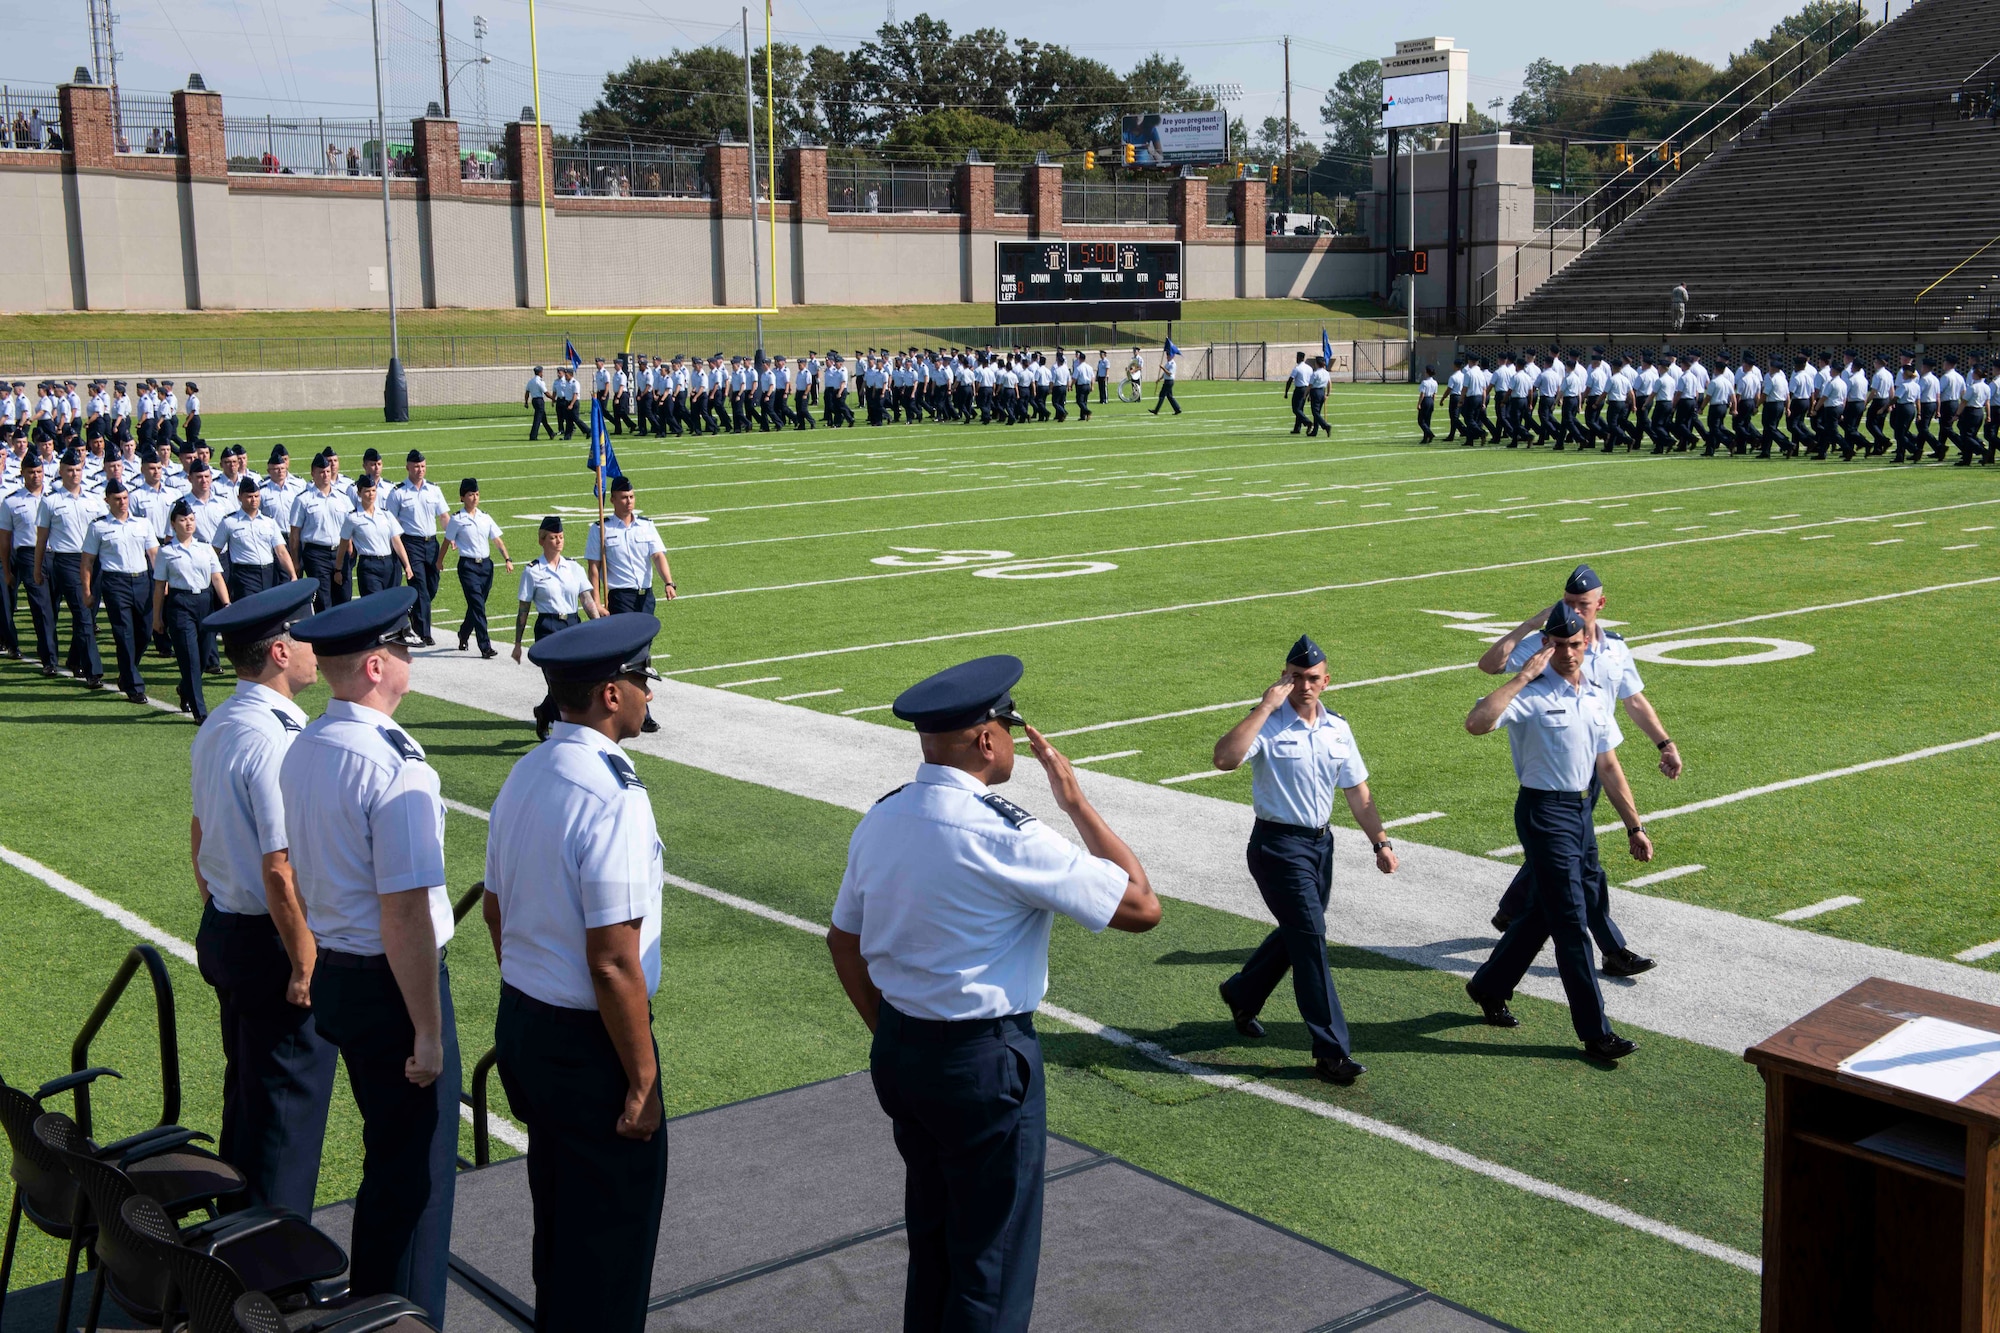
[
  {"x": 120, "y": 546},
  {"x": 953, "y": 890},
  {"x": 188, "y": 567},
  {"x": 572, "y": 847},
  {"x": 235, "y": 762},
  {"x": 627, "y": 550},
  {"x": 1556, "y": 730},
  {"x": 18, "y": 513},
  {"x": 68, "y": 518},
  {"x": 249, "y": 539},
  {"x": 416, "y": 509},
  {"x": 1607, "y": 661},
  {"x": 317, "y": 518},
  {"x": 209, "y": 513},
  {"x": 1295, "y": 769},
  {"x": 280, "y": 501},
  {"x": 370, "y": 531},
  {"x": 365, "y": 819}
]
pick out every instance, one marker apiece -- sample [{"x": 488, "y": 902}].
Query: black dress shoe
[
  {"x": 1341, "y": 1073},
  {"x": 1627, "y": 964},
  {"x": 426, "y": 641},
  {"x": 137, "y": 696},
  {"x": 461, "y": 645},
  {"x": 489, "y": 652},
  {"x": 1497, "y": 1015},
  {"x": 649, "y": 726},
  {"x": 1246, "y": 1023},
  {"x": 50, "y": 671},
  {"x": 1613, "y": 1047},
  {"x": 93, "y": 682}
]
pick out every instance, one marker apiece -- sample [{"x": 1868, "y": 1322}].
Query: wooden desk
[{"x": 1859, "y": 1239}]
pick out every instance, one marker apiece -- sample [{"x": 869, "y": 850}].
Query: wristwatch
[
  {"x": 1635, "y": 829},
  {"x": 1382, "y": 845},
  {"x": 1665, "y": 743}
]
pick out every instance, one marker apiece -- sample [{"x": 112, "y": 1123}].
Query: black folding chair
[
  {"x": 274, "y": 1247},
  {"x": 218, "y": 1300},
  {"x": 161, "y": 1159}
]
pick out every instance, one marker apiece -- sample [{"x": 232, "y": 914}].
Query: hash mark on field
[
  {"x": 1099, "y": 758},
  {"x": 1469, "y": 495},
  {"x": 1576, "y": 520},
  {"x": 870, "y": 708},
  {"x": 1977, "y": 952},
  {"x": 1407, "y": 820},
  {"x": 1720, "y": 513},
  {"x": 1524, "y": 516},
  {"x": 1418, "y": 509},
  {"x": 1662, "y": 876},
  {"x": 1887, "y": 541},
  {"x": 1967, "y": 547},
  {"x": 1622, "y": 504},
  {"x": 1631, "y": 523},
  {"x": 1196, "y": 777},
  {"x": 1414, "y": 494},
  {"x": 1918, "y": 524},
  {"x": 809, "y": 694},
  {"x": 1817, "y": 537},
  {"x": 1692, "y": 527},
  {"x": 1379, "y": 504},
  {"x": 1509, "y": 499},
  {"x": 754, "y": 680},
  {"x": 1668, "y": 509},
  {"x": 1776, "y": 517},
  {"x": 1986, "y": 528},
  {"x": 1818, "y": 908},
  {"x": 1330, "y": 502}
]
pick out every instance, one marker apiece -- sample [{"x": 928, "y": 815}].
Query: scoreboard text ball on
[{"x": 1070, "y": 282}]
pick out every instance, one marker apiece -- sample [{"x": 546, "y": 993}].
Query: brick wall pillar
[
  {"x": 436, "y": 142},
  {"x": 807, "y": 168},
  {"x": 198, "y": 135},
  {"x": 729, "y": 178},
  {"x": 1045, "y": 199},
  {"x": 1246, "y": 198},
  {"x": 89, "y": 138},
  {"x": 1187, "y": 208},
  {"x": 530, "y": 152},
  {"x": 974, "y": 185}
]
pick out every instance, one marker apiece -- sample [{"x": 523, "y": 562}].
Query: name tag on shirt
[{"x": 1556, "y": 718}]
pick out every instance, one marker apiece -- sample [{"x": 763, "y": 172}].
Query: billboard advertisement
[
  {"x": 1177, "y": 138},
  {"x": 1416, "y": 99}
]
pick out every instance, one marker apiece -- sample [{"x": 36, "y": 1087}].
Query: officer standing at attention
[
  {"x": 419, "y": 507},
  {"x": 573, "y": 876},
  {"x": 473, "y": 534},
  {"x": 366, "y": 827},
  {"x": 553, "y": 588},
  {"x": 941, "y": 940},
  {"x": 251, "y": 544},
  {"x": 60, "y": 527},
  {"x": 623, "y": 557},
  {"x": 117, "y": 574},
  {"x": 1295, "y": 384},
  {"x": 187, "y": 585},
  {"x": 1564, "y": 739},
  {"x": 253, "y": 946},
  {"x": 535, "y": 394},
  {"x": 1299, "y": 752}
]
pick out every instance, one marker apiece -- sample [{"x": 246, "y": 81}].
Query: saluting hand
[
  {"x": 640, "y": 1118},
  {"x": 1535, "y": 665},
  {"x": 1280, "y": 691},
  {"x": 1062, "y": 776},
  {"x": 426, "y": 1061}
]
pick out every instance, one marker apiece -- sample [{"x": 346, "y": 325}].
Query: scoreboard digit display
[{"x": 1062, "y": 282}]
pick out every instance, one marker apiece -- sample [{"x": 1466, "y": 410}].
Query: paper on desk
[{"x": 1931, "y": 1057}]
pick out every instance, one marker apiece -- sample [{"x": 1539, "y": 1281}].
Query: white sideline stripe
[
  {"x": 809, "y": 694},
  {"x": 1927, "y": 753},
  {"x": 1408, "y": 820},
  {"x": 1819, "y": 908},
  {"x": 1977, "y": 952},
  {"x": 1443, "y": 1152},
  {"x": 871, "y": 708},
  {"x": 1100, "y": 758},
  {"x": 462, "y": 808},
  {"x": 1243, "y": 598},
  {"x": 1196, "y": 777},
  {"x": 1662, "y": 876},
  {"x": 757, "y": 680},
  {"x": 502, "y": 1128}
]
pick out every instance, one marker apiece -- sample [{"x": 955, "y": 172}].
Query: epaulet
[
  {"x": 1613, "y": 634},
  {"x": 1005, "y": 808},
  {"x": 287, "y": 721},
  {"x": 1331, "y": 713},
  {"x": 400, "y": 743},
  {"x": 887, "y": 794},
  {"x": 621, "y": 768}
]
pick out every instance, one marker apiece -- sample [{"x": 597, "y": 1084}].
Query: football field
[{"x": 1816, "y": 637}]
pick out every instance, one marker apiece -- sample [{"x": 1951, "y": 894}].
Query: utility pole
[
  {"x": 104, "y": 56},
  {"x": 395, "y": 390},
  {"x": 1288, "y": 124},
  {"x": 479, "y": 78},
  {"x": 444, "y": 71}
]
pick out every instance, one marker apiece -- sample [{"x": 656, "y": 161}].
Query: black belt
[
  {"x": 1561, "y": 797},
  {"x": 360, "y": 962},
  {"x": 1272, "y": 827},
  {"x": 957, "y": 1029},
  {"x": 469, "y": 560},
  {"x": 221, "y": 918},
  {"x": 559, "y": 1012}
]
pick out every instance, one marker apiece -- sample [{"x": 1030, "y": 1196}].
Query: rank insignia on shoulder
[
  {"x": 887, "y": 794},
  {"x": 1614, "y": 634},
  {"x": 400, "y": 743},
  {"x": 621, "y": 768},
  {"x": 1006, "y": 809},
  {"x": 286, "y": 720}
]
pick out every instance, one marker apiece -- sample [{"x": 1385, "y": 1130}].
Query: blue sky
[{"x": 312, "y": 56}]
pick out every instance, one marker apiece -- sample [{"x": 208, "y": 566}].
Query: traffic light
[
  {"x": 1620, "y": 155},
  {"x": 1677, "y": 161},
  {"x": 1090, "y": 161},
  {"x": 1131, "y": 155},
  {"x": 1666, "y": 152}
]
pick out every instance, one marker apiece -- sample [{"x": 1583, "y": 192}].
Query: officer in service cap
[
  {"x": 940, "y": 937},
  {"x": 573, "y": 875},
  {"x": 366, "y": 825},
  {"x": 1563, "y": 737},
  {"x": 1299, "y": 753},
  {"x": 254, "y": 946}
]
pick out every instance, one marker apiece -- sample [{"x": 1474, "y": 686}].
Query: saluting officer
[
  {"x": 1564, "y": 739},
  {"x": 366, "y": 827},
  {"x": 573, "y": 875},
  {"x": 418, "y": 507},
  {"x": 254, "y": 946},
  {"x": 473, "y": 534},
  {"x": 623, "y": 557},
  {"x": 941, "y": 937},
  {"x": 1299, "y": 753}
]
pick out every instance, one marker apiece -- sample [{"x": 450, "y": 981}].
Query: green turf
[{"x": 1232, "y": 537}]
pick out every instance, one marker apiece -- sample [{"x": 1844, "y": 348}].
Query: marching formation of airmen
[{"x": 1823, "y": 402}]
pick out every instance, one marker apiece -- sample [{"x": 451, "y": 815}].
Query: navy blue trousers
[
  {"x": 597, "y": 1197},
  {"x": 41, "y": 608},
  {"x": 1294, "y": 873},
  {"x": 277, "y": 1071},
  {"x": 182, "y": 614},
  {"x": 128, "y": 605},
  {"x": 64, "y": 572},
  {"x": 409, "y": 1135},
  {"x": 321, "y": 563},
  {"x": 971, "y": 1121},
  {"x": 424, "y": 572},
  {"x": 475, "y": 580},
  {"x": 1555, "y": 830},
  {"x": 372, "y": 573},
  {"x": 1596, "y": 901},
  {"x": 249, "y": 580}
]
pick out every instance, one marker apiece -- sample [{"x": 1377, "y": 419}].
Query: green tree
[
  {"x": 1352, "y": 113},
  {"x": 1159, "y": 84},
  {"x": 687, "y": 97},
  {"x": 1061, "y": 93},
  {"x": 943, "y": 136}
]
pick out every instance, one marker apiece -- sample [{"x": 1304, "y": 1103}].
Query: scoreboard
[{"x": 1061, "y": 282}]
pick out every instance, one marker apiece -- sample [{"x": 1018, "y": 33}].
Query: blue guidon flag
[
  {"x": 1326, "y": 348},
  {"x": 600, "y": 450},
  {"x": 1171, "y": 349},
  {"x": 569, "y": 354}
]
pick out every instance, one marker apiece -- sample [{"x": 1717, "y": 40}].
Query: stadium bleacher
[{"x": 1828, "y": 215}]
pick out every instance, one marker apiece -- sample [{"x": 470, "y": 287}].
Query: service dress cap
[
  {"x": 246, "y": 487},
  {"x": 373, "y": 455},
  {"x": 1582, "y": 579},
  {"x": 962, "y": 696},
  {"x": 551, "y": 523},
  {"x": 263, "y": 615},
  {"x": 114, "y": 487},
  {"x": 367, "y": 622},
  {"x": 1563, "y": 622},
  {"x": 1305, "y": 653},
  {"x": 279, "y": 454},
  {"x": 600, "y": 649},
  {"x": 468, "y": 486},
  {"x": 414, "y": 456}
]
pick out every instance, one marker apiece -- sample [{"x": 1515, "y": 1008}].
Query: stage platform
[{"x": 785, "y": 1212}]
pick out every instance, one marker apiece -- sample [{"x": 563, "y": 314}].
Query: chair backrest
[
  {"x": 48, "y": 1191},
  {"x": 257, "y": 1313},
  {"x": 140, "y": 1279},
  {"x": 207, "y": 1285}
]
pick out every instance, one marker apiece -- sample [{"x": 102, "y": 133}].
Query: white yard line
[
  {"x": 1819, "y": 908},
  {"x": 1977, "y": 952},
  {"x": 809, "y": 694},
  {"x": 1408, "y": 820},
  {"x": 1196, "y": 777},
  {"x": 1100, "y": 758},
  {"x": 754, "y": 680},
  {"x": 1662, "y": 876}
]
